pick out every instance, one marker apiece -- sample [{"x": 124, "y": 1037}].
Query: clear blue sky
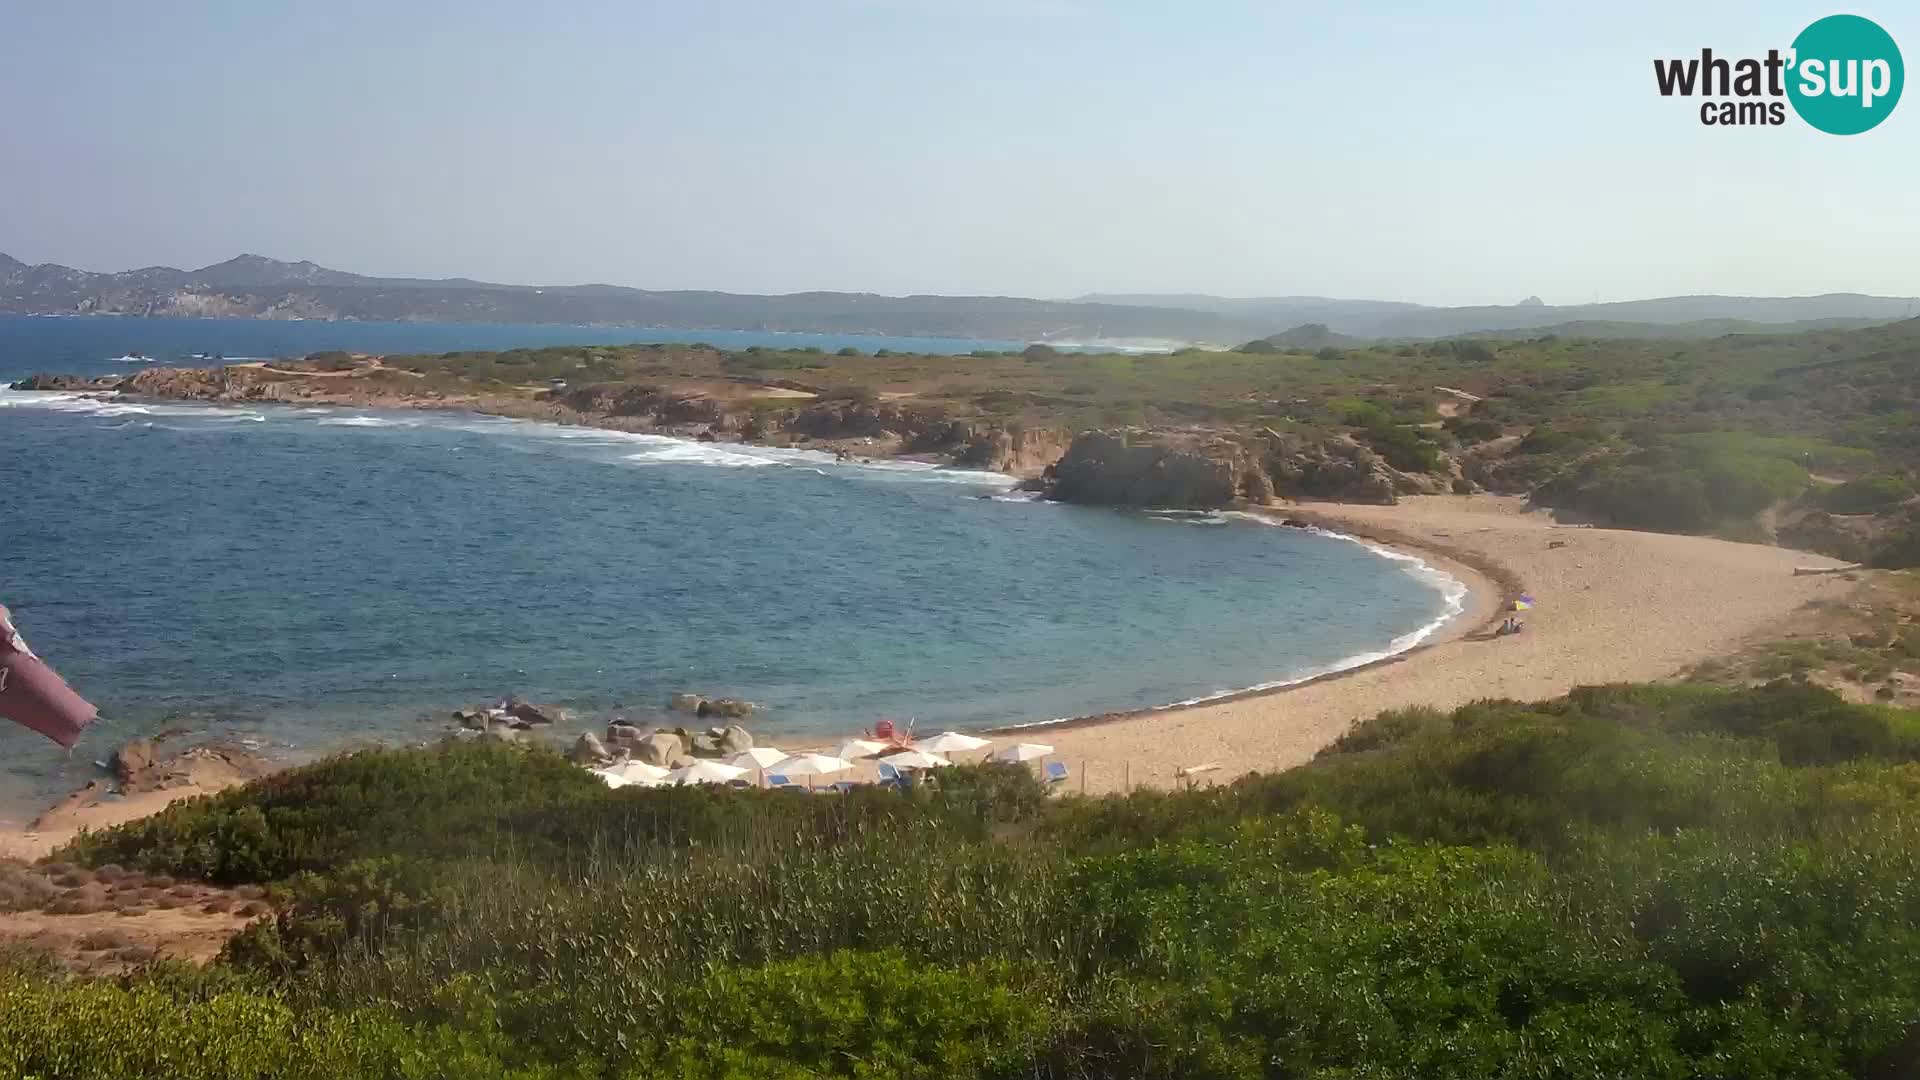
[{"x": 1445, "y": 153}]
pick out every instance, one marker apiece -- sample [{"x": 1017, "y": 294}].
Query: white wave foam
[
  {"x": 1138, "y": 346},
  {"x": 693, "y": 453},
  {"x": 367, "y": 422},
  {"x": 107, "y": 403},
  {"x": 1190, "y": 517},
  {"x": 945, "y": 474},
  {"x": 91, "y": 404},
  {"x": 650, "y": 448}
]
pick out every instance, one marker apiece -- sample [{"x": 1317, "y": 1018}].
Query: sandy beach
[{"x": 1613, "y": 606}]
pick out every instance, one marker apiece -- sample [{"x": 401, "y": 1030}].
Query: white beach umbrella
[
  {"x": 760, "y": 757},
  {"x": 704, "y": 771},
  {"x": 1026, "y": 751},
  {"x": 814, "y": 765},
  {"x": 915, "y": 759},
  {"x": 859, "y": 748},
  {"x": 948, "y": 742},
  {"x": 639, "y": 772}
]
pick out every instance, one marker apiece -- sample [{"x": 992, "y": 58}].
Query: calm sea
[{"x": 310, "y": 578}]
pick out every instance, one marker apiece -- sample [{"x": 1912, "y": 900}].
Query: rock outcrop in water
[
  {"x": 1207, "y": 470},
  {"x": 69, "y": 383},
  {"x": 144, "y": 765},
  {"x": 1140, "y": 469}
]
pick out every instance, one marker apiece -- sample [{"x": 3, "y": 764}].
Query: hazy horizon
[
  {"x": 1082, "y": 297},
  {"x": 1045, "y": 148}
]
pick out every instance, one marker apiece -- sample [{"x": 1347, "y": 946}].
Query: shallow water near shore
[{"x": 307, "y": 578}]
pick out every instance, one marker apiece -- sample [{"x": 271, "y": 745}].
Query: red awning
[{"x": 33, "y": 695}]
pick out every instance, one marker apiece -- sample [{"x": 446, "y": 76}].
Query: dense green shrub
[
  {"x": 1668, "y": 880},
  {"x": 1548, "y": 440},
  {"x": 1676, "y": 488},
  {"x": 484, "y": 798},
  {"x": 1902, "y": 549},
  {"x": 853, "y": 1014},
  {"x": 1867, "y": 495},
  {"x": 1470, "y": 431},
  {"x": 104, "y": 1032},
  {"x": 457, "y": 797},
  {"x": 1403, "y": 447}
]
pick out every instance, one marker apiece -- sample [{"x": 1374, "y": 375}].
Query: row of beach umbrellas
[{"x": 928, "y": 754}]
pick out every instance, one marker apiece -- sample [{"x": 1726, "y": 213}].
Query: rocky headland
[{"x": 1189, "y": 467}]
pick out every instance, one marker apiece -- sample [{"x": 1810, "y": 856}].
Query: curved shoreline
[
  {"x": 1614, "y": 606},
  {"x": 1726, "y": 590},
  {"x": 1487, "y": 586}
]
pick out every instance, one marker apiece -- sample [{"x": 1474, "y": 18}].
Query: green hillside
[
  {"x": 1811, "y": 438},
  {"x": 1629, "y": 881}
]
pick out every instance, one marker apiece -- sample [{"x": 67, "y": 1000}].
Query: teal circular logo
[{"x": 1846, "y": 74}]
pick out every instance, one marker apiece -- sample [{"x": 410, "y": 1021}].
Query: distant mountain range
[
  {"x": 1378, "y": 319},
  {"x": 253, "y": 286}
]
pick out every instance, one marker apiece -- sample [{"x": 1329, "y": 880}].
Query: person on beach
[{"x": 32, "y": 695}]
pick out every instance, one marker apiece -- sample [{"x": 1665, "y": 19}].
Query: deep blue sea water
[{"x": 311, "y": 577}]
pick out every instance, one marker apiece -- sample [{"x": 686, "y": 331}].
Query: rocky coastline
[{"x": 1169, "y": 468}]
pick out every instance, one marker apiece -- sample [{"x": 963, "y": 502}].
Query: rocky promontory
[
  {"x": 1191, "y": 470},
  {"x": 847, "y": 424},
  {"x": 1195, "y": 467}
]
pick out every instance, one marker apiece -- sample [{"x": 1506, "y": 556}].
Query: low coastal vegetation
[{"x": 1648, "y": 880}]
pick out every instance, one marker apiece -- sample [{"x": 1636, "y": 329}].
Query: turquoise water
[{"x": 308, "y": 578}]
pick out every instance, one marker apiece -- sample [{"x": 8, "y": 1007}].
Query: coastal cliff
[{"x": 1206, "y": 470}]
